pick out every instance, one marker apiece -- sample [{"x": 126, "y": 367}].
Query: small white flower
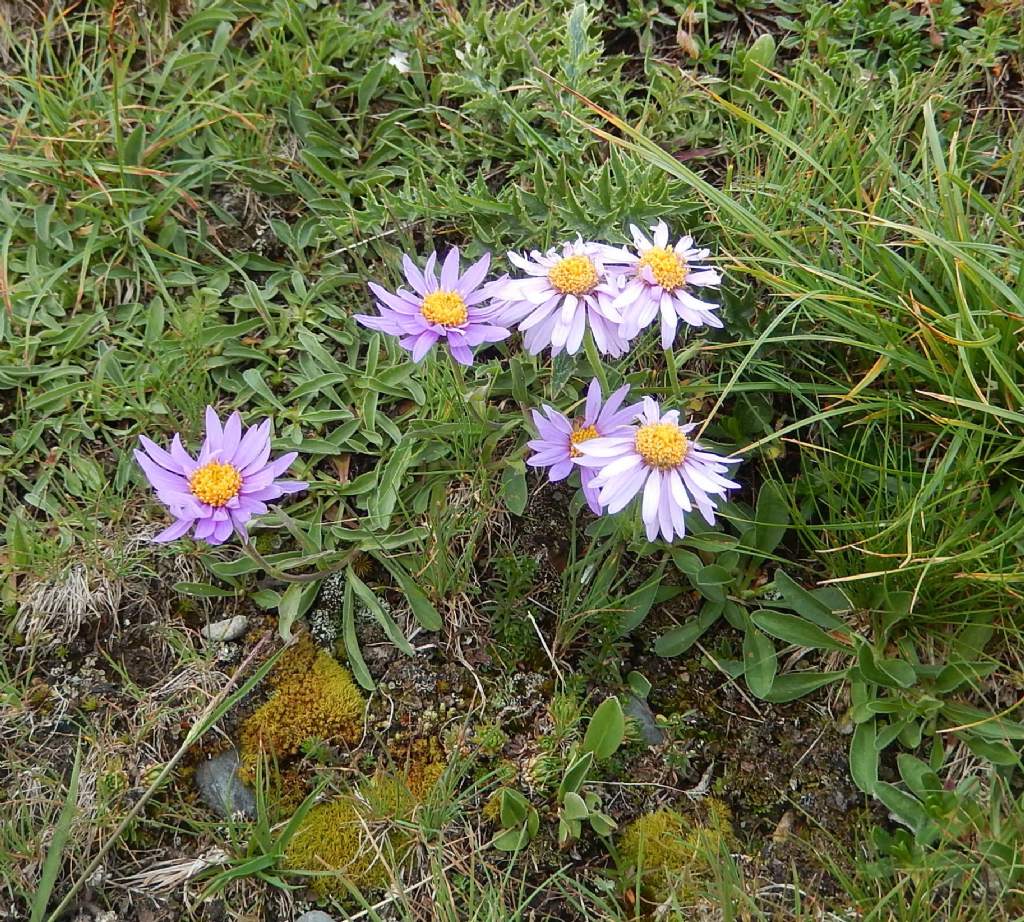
[{"x": 399, "y": 60}]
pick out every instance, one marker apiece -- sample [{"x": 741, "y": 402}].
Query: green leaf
[
  {"x": 511, "y": 840},
  {"x": 772, "y": 518},
  {"x": 41, "y": 217},
  {"x": 713, "y": 575},
  {"x": 288, "y": 610},
  {"x": 759, "y": 662},
  {"x": 205, "y": 591},
  {"x": 981, "y": 723},
  {"x": 917, "y": 775},
  {"x": 638, "y": 684},
  {"x": 713, "y": 541},
  {"x": 864, "y": 757},
  {"x": 636, "y": 606},
  {"x": 424, "y": 610},
  {"x": 806, "y": 603},
  {"x": 793, "y": 685},
  {"x": 573, "y": 807},
  {"x": 996, "y": 753},
  {"x": 254, "y": 379},
  {"x": 355, "y": 655},
  {"x": 908, "y": 810},
  {"x": 513, "y": 487},
  {"x": 513, "y": 807},
  {"x": 368, "y": 85},
  {"x": 890, "y": 673},
  {"x": 385, "y": 620},
  {"x": 686, "y": 562},
  {"x": 381, "y": 503},
  {"x": 58, "y": 840},
  {"x": 602, "y": 824},
  {"x": 796, "y": 630},
  {"x": 19, "y": 545},
  {"x": 680, "y": 639},
  {"x": 606, "y": 729},
  {"x": 759, "y": 57},
  {"x": 575, "y": 775},
  {"x": 901, "y": 672}
]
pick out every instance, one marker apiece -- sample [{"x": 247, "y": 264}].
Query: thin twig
[{"x": 547, "y": 649}]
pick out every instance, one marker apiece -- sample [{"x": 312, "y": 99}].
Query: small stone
[
  {"x": 221, "y": 788},
  {"x": 228, "y": 629},
  {"x": 314, "y": 915},
  {"x": 641, "y": 712}
]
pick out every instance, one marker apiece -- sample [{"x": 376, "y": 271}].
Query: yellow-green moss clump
[
  {"x": 672, "y": 852},
  {"x": 337, "y": 837},
  {"x": 314, "y": 698},
  {"x": 358, "y": 838}
]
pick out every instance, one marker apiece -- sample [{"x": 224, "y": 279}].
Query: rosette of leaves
[{"x": 576, "y": 805}]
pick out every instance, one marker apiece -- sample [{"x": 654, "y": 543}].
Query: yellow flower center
[
  {"x": 444, "y": 307},
  {"x": 584, "y": 434},
  {"x": 574, "y": 275},
  {"x": 668, "y": 269},
  {"x": 661, "y": 445},
  {"x": 215, "y": 483}
]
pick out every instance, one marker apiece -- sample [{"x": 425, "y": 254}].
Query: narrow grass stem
[
  {"x": 460, "y": 382},
  {"x": 673, "y": 370},
  {"x": 249, "y": 549},
  {"x": 596, "y": 365}
]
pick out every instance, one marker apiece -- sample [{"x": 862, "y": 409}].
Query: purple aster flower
[
  {"x": 656, "y": 456},
  {"x": 446, "y": 308},
  {"x": 556, "y": 447},
  {"x": 230, "y": 482},
  {"x": 658, "y": 279},
  {"x": 565, "y": 291}
]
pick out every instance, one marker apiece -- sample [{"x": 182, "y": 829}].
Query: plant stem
[
  {"x": 249, "y": 549},
  {"x": 673, "y": 370},
  {"x": 460, "y": 382},
  {"x": 596, "y": 365}
]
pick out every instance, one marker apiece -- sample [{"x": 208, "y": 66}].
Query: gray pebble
[
  {"x": 221, "y": 789},
  {"x": 641, "y": 712},
  {"x": 314, "y": 915},
  {"x": 228, "y": 629}
]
